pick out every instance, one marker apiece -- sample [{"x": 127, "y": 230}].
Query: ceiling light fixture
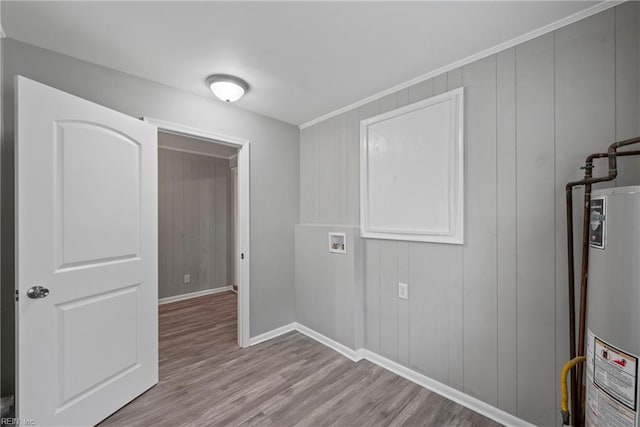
[{"x": 227, "y": 87}]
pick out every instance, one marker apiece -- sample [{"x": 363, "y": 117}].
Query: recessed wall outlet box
[
  {"x": 338, "y": 243},
  {"x": 403, "y": 290},
  {"x": 187, "y": 278}
]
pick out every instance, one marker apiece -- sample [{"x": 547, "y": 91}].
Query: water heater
[{"x": 613, "y": 312}]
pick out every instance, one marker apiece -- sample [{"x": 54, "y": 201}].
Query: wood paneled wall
[
  {"x": 489, "y": 317},
  {"x": 194, "y": 225}
]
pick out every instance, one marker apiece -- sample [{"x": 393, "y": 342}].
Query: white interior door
[{"x": 86, "y": 232}]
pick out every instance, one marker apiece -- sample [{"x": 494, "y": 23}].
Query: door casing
[{"x": 242, "y": 248}]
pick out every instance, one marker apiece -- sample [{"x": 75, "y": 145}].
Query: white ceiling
[{"x": 302, "y": 59}]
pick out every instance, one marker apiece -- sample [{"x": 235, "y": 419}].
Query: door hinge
[
  {"x": 242, "y": 256},
  {"x": 17, "y": 295}
]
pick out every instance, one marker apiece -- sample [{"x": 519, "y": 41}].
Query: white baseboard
[
  {"x": 272, "y": 334},
  {"x": 444, "y": 390},
  {"x": 193, "y": 295},
  {"x": 349, "y": 353}
]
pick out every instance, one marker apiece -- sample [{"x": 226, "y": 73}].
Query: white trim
[
  {"x": 454, "y": 99},
  {"x": 243, "y": 217},
  {"x": 198, "y": 153},
  {"x": 597, "y": 8},
  {"x": 190, "y": 132},
  {"x": 244, "y": 213},
  {"x": 347, "y": 352},
  {"x": 443, "y": 390},
  {"x": 196, "y": 294},
  {"x": 272, "y": 334}
]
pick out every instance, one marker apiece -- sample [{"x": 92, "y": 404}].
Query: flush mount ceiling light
[{"x": 227, "y": 87}]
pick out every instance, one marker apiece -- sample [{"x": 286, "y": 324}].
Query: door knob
[{"x": 37, "y": 291}]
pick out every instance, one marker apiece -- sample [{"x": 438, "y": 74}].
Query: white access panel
[{"x": 412, "y": 172}]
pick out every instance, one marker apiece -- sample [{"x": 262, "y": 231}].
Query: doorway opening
[{"x": 203, "y": 232}]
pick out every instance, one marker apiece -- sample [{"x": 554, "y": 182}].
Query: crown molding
[{"x": 593, "y": 10}]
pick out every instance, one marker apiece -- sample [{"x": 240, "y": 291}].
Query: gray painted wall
[
  {"x": 488, "y": 317},
  {"x": 274, "y": 170},
  {"x": 329, "y": 286},
  {"x": 194, "y": 237}
]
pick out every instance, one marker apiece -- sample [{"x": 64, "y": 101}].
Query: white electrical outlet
[
  {"x": 403, "y": 290},
  {"x": 187, "y": 278}
]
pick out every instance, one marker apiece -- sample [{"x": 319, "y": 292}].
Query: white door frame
[
  {"x": 243, "y": 217},
  {"x": 234, "y": 204}
]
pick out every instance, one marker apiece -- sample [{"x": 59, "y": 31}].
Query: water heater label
[
  {"x": 598, "y": 229},
  {"x": 612, "y": 385}
]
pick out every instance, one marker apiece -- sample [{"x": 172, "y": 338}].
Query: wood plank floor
[{"x": 207, "y": 380}]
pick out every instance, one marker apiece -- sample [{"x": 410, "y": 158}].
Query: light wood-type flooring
[{"x": 207, "y": 380}]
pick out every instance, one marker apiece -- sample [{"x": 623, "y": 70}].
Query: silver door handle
[{"x": 37, "y": 291}]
